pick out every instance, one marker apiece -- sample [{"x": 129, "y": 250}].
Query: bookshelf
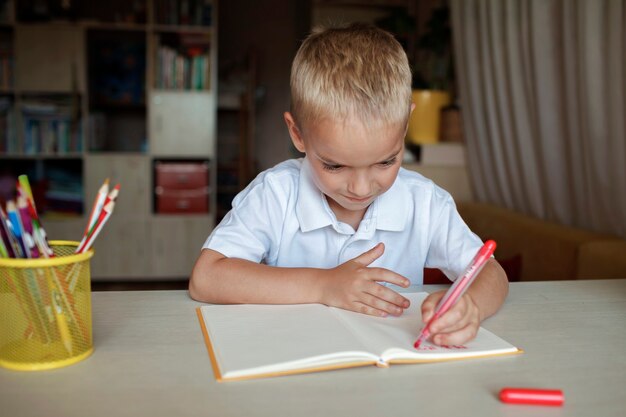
[
  {"x": 237, "y": 103},
  {"x": 112, "y": 89}
]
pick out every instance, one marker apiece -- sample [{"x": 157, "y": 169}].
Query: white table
[{"x": 150, "y": 360}]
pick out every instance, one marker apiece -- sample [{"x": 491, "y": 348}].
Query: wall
[{"x": 274, "y": 29}]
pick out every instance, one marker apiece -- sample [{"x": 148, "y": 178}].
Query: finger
[
  {"x": 454, "y": 319},
  {"x": 458, "y": 337},
  {"x": 382, "y": 305},
  {"x": 385, "y": 275},
  {"x": 429, "y": 305},
  {"x": 387, "y": 295},
  {"x": 371, "y": 255},
  {"x": 440, "y": 326},
  {"x": 363, "y": 308}
]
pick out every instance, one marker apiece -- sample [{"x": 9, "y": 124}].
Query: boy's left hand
[{"x": 458, "y": 325}]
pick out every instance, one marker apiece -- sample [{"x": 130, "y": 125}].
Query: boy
[{"x": 340, "y": 225}]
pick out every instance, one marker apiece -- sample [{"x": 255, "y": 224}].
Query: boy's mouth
[{"x": 358, "y": 200}]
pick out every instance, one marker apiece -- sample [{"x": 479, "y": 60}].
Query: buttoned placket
[{"x": 366, "y": 231}]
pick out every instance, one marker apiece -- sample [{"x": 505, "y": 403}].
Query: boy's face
[{"x": 352, "y": 163}]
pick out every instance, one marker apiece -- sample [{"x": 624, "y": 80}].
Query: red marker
[
  {"x": 459, "y": 287},
  {"x": 532, "y": 396}
]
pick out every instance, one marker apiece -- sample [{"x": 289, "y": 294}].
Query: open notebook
[{"x": 255, "y": 341}]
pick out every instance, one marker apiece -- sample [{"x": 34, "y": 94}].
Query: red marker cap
[{"x": 532, "y": 396}]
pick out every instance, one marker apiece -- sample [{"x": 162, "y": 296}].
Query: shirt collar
[
  {"x": 312, "y": 209},
  {"x": 389, "y": 211},
  {"x": 393, "y": 206}
]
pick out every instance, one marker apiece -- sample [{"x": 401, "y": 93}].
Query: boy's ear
[{"x": 294, "y": 132}]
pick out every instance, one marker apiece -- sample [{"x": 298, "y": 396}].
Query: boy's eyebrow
[
  {"x": 393, "y": 155},
  {"x": 329, "y": 161}
]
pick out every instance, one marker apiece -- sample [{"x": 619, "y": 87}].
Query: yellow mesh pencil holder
[{"x": 45, "y": 309}]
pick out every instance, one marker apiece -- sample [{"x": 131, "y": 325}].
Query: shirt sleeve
[
  {"x": 252, "y": 227},
  {"x": 452, "y": 244}
]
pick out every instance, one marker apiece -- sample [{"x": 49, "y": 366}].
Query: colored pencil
[{"x": 104, "y": 216}]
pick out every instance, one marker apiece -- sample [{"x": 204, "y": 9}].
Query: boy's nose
[{"x": 359, "y": 186}]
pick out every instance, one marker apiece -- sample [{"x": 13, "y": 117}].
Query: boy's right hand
[{"x": 352, "y": 286}]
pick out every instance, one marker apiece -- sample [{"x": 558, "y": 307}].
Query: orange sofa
[{"x": 530, "y": 249}]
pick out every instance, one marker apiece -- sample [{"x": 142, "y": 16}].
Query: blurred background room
[{"x": 520, "y": 116}]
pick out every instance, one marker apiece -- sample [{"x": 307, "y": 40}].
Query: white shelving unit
[
  {"x": 53, "y": 58},
  {"x": 445, "y": 164}
]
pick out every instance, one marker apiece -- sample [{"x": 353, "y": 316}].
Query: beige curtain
[{"x": 542, "y": 88}]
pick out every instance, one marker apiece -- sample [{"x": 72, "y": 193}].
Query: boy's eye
[
  {"x": 332, "y": 167},
  {"x": 389, "y": 162}
]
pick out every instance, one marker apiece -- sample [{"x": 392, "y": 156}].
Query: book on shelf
[
  {"x": 186, "y": 70},
  {"x": 63, "y": 192},
  {"x": 256, "y": 341},
  {"x": 50, "y": 127},
  {"x": 97, "y": 129},
  {"x": 183, "y": 12}
]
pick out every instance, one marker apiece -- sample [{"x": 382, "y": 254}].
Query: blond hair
[{"x": 357, "y": 70}]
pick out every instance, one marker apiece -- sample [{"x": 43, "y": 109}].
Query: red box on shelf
[
  {"x": 182, "y": 175},
  {"x": 181, "y": 187},
  {"x": 182, "y": 201}
]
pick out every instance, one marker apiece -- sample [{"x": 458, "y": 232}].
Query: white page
[
  {"x": 260, "y": 336},
  {"x": 381, "y": 333},
  {"x": 394, "y": 336}
]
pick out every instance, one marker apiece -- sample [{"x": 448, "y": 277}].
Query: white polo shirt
[{"x": 283, "y": 219}]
